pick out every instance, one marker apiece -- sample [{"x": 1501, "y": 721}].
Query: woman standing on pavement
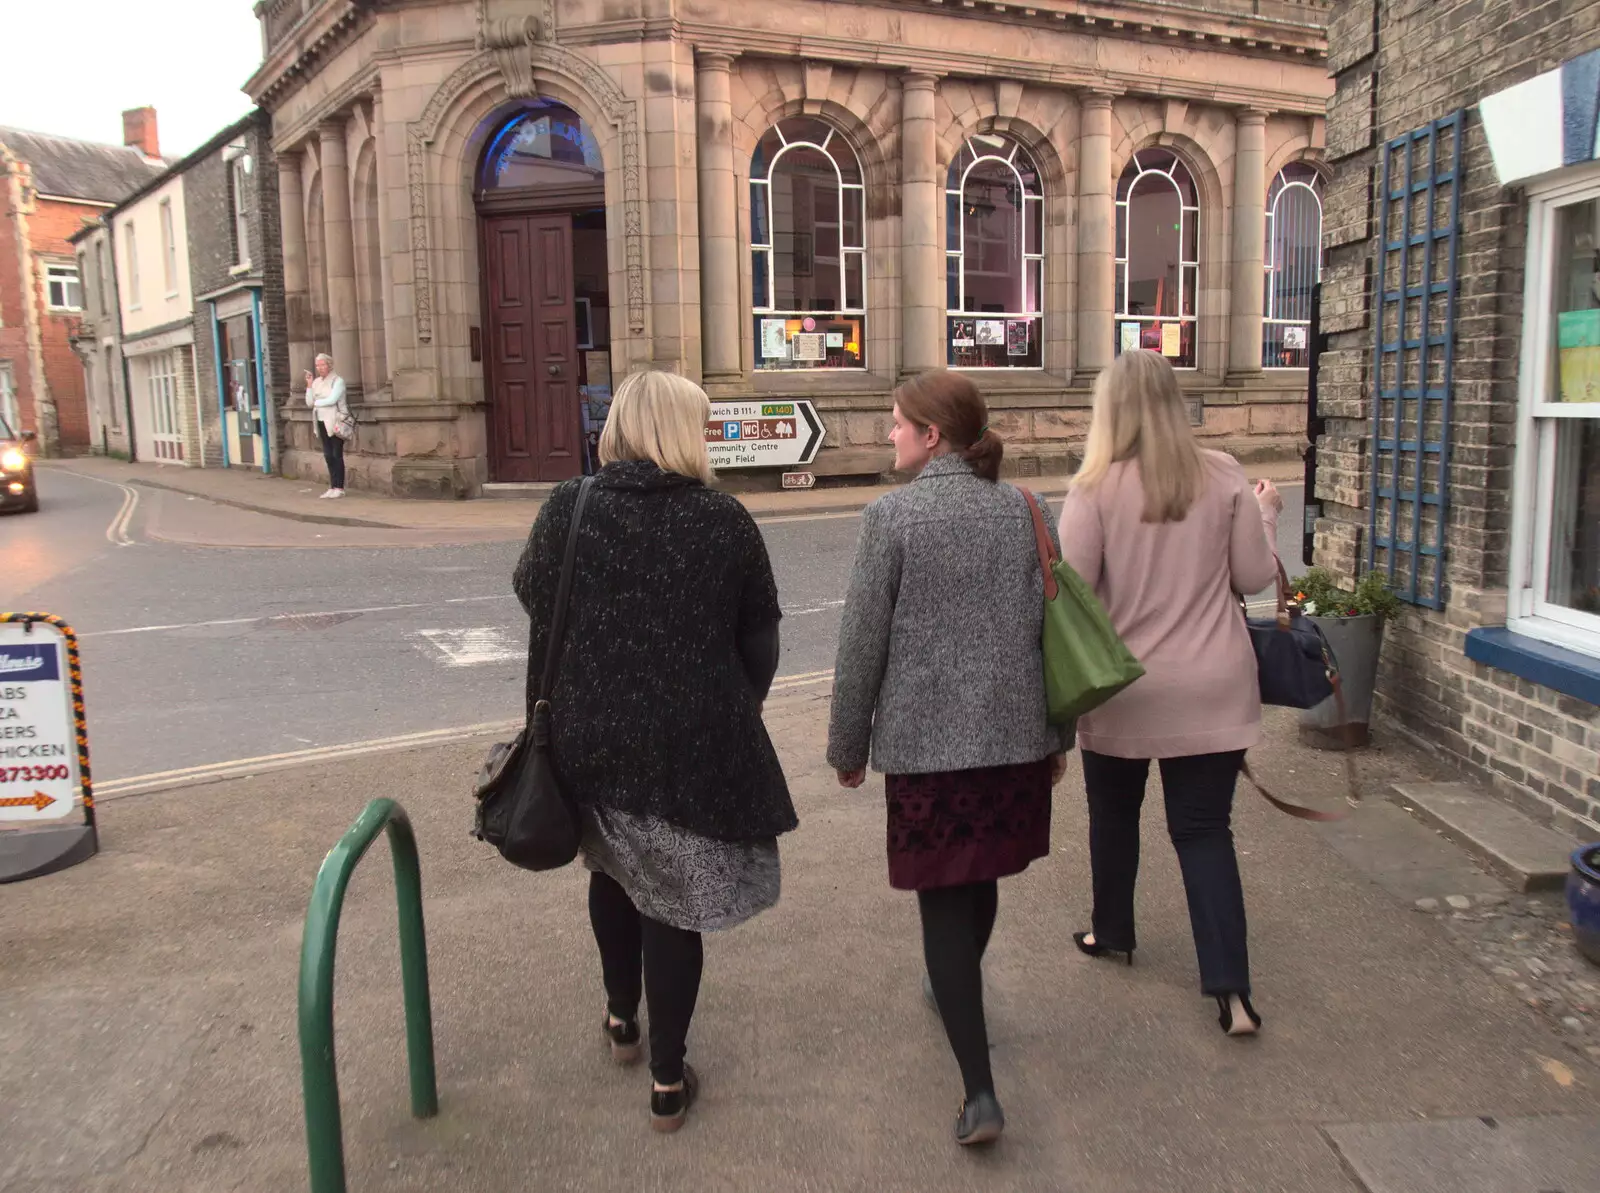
[
  {"x": 670, "y": 648},
  {"x": 1168, "y": 536},
  {"x": 939, "y": 673},
  {"x": 325, "y": 396}
]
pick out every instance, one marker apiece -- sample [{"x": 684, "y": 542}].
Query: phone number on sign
[{"x": 34, "y": 774}]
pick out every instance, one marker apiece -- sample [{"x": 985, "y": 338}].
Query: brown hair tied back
[{"x": 951, "y": 402}]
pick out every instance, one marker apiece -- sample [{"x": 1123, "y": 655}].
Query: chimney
[{"x": 139, "y": 131}]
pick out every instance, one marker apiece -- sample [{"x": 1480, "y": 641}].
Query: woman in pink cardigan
[{"x": 1168, "y": 536}]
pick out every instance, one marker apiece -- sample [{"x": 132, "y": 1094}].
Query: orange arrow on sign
[{"x": 38, "y": 801}]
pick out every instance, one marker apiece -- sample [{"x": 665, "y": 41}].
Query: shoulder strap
[
  {"x": 1047, "y": 550},
  {"x": 558, "y": 615},
  {"x": 1354, "y": 792}
]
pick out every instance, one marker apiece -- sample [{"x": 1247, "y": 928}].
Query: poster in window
[
  {"x": 597, "y": 367},
  {"x": 809, "y": 346},
  {"x": 1578, "y": 343},
  {"x": 1017, "y": 336},
  {"x": 835, "y": 339},
  {"x": 991, "y": 331},
  {"x": 1171, "y": 339},
  {"x": 961, "y": 333},
  {"x": 774, "y": 339},
  {"x": 1130, "y": 337},
  {"x": 1294, "y": 338}
]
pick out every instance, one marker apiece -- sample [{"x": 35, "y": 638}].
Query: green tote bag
[{"x": 1085, "y": 662}]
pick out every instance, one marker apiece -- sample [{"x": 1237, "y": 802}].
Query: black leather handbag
[{"x": 522, "y": 810}]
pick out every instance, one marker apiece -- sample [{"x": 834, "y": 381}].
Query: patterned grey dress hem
[{"x": 679, "y": 877}]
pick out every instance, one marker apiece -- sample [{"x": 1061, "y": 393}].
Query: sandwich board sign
[
  {"x": 781, "y": 434},
  {"x": 46, "y": 804}
]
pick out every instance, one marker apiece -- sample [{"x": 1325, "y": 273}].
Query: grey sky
[{"x": 72, "y": 66}]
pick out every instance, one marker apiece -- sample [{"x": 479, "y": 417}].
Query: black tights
[
  {"x": 635, "y": 952},
  {"x": 956, "y": 924}
]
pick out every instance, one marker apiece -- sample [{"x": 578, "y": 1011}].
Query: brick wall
[
  {"x": 213, "y": 257},
  {"x": 1398, "y": 65}
]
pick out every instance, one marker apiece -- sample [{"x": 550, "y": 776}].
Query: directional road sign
[{"x": 763, "y": 434}]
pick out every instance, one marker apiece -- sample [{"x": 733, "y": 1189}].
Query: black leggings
[
  {"x": 956, "y": 924},
  {"x": 636, "y": 950},
  {"x": 332, "y": 454}
]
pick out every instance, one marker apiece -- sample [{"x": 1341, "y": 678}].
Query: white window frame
[
  {"x": 8, "y": 397},
  {"x": 131, "y": 236},
  {"x": 1124, "y": 216},
  {"x": 169, "y": 247},
  {"x": 1273, "y": 267},
  {"x": 762, "y": 304},
  {"x": 104, "y": 303},
  {"x": 1031, "y": 253},
  {"x": 52, "y": 277},
  {"x": 239, "y": 183},
  {"x": 1528, "y": 611}
]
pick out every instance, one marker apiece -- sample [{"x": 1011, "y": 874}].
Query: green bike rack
[{"x": 318, "y": 1070}]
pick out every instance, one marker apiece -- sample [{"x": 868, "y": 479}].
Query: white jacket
[{"x": 325, "y": 395}]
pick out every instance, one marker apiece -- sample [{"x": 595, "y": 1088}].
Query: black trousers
[
  {"x": 333, "y": 453},
  {"x": 956, "y": 924},
  {"x": 635, "y": 952},
  {"x": 1199, "y": 799}
]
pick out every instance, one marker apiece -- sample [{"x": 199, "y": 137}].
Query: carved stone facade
[{"x": 395, "y": 103}]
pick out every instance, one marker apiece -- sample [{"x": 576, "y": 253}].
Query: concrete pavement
[{"x": 147, "y": 1017}]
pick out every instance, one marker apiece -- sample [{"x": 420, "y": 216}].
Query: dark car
[{"x": 17, "y": 488}]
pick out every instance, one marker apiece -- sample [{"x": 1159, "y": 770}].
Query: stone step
[
  {"x": 1529, "y": 855},
  {"x": 519, "y": 490}
]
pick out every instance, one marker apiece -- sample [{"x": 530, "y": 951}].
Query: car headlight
[{"x": 12, "y": 460}]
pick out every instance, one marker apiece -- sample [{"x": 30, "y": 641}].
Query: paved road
[{"x": 196, "y": 655}]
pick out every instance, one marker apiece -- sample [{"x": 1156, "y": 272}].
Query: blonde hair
[
  {"x": 1139, "y": 415},
  {"x": 659, "y": 417}
]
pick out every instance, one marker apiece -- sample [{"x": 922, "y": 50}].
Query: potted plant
[
  {"x": 1352, "y": 622},
  {"x": 1583, "y": 900}
]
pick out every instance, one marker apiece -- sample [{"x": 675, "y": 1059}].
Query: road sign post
[
  {"x": 784, "y": 434},
  {"x": 46, "y": 795}
]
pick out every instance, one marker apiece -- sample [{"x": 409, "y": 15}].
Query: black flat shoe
[
  {"x": 1096, "y": 949},
  {"x": 981, "y": 1120},
  {"x": 1234, "y": 1023},
  {"x": 626, "y": 1047},
  {"x": 669, "y": 1107}
]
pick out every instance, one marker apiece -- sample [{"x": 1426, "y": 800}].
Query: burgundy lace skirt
[{"x": 964, "y": 826}]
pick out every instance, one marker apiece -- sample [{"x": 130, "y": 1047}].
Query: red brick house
[{"x": 50, "y": 187}]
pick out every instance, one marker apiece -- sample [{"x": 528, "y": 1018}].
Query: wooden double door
[{"x": 531, "y": 353}]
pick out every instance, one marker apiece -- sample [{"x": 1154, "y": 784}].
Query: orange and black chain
[{"x": 80, "y": 722}]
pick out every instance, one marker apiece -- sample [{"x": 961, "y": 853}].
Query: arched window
[
  {"x": 994, "y": 256},
  {"x": 1158, "y": 257},
  {"x": 545, "y": 144},
  {"x": 1294, "y": 265},
  {"x": 808, "y": 259}
]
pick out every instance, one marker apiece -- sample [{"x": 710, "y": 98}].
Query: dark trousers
[
  {"x": 333, "y": 453},
  {"x": 637, "y": 951},
  {"x": 956, "y": 924},
  {"x": 1199, "y": 798}
]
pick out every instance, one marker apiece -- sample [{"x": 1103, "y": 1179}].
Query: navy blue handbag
[{"x": 1294, "y": 661}]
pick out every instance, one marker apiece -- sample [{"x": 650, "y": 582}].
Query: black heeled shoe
[
  {"x": 1230, "y": 1022},
  {"x": 981, "y": 1120},
  {"x": 669, "y": 1107},
  {"x": 1081, "y": 939},
  {"x": 626, "y": 1045}
]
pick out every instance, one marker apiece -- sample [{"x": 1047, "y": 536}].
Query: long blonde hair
[
  {"x": 1139, "y": 415},
  {"x": 659, "y": 417}
]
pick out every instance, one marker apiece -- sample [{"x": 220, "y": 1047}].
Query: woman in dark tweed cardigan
[
  {"x": 940, "y": 672},
  {"x": 671, "y": 645}
]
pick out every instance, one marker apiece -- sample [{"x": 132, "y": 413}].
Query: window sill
[
  {"x": 241, "y": 269},
  {"x": 1556, "y": 667}
]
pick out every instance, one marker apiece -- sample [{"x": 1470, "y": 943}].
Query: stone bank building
[
  {"x": 1461, "y": 383},
  {"x": 493, "y": 210}
]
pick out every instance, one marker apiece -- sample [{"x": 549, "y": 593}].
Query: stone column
[
  {"x": 296, "y": 275},
  {"x": 1097, "y": 235},
  {"x": 1249, "y": 235},
  {"x": 922, "y": 288},
  {"x": 720, "y": 308},
  {"x": 343, "y": 311}
]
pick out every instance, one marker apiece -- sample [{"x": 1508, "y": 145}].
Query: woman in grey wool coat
[{"x": 939, "y": 673}]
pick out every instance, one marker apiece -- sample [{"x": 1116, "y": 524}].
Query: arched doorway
[{"x": 546, "y": 311}]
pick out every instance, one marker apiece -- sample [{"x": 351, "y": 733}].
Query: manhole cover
[{"x": 304, "y": 621}]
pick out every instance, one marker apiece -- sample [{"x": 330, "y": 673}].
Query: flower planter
[
  {"x": 1583, "y": 900},
  {"x": 1356, "y": 642}
]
